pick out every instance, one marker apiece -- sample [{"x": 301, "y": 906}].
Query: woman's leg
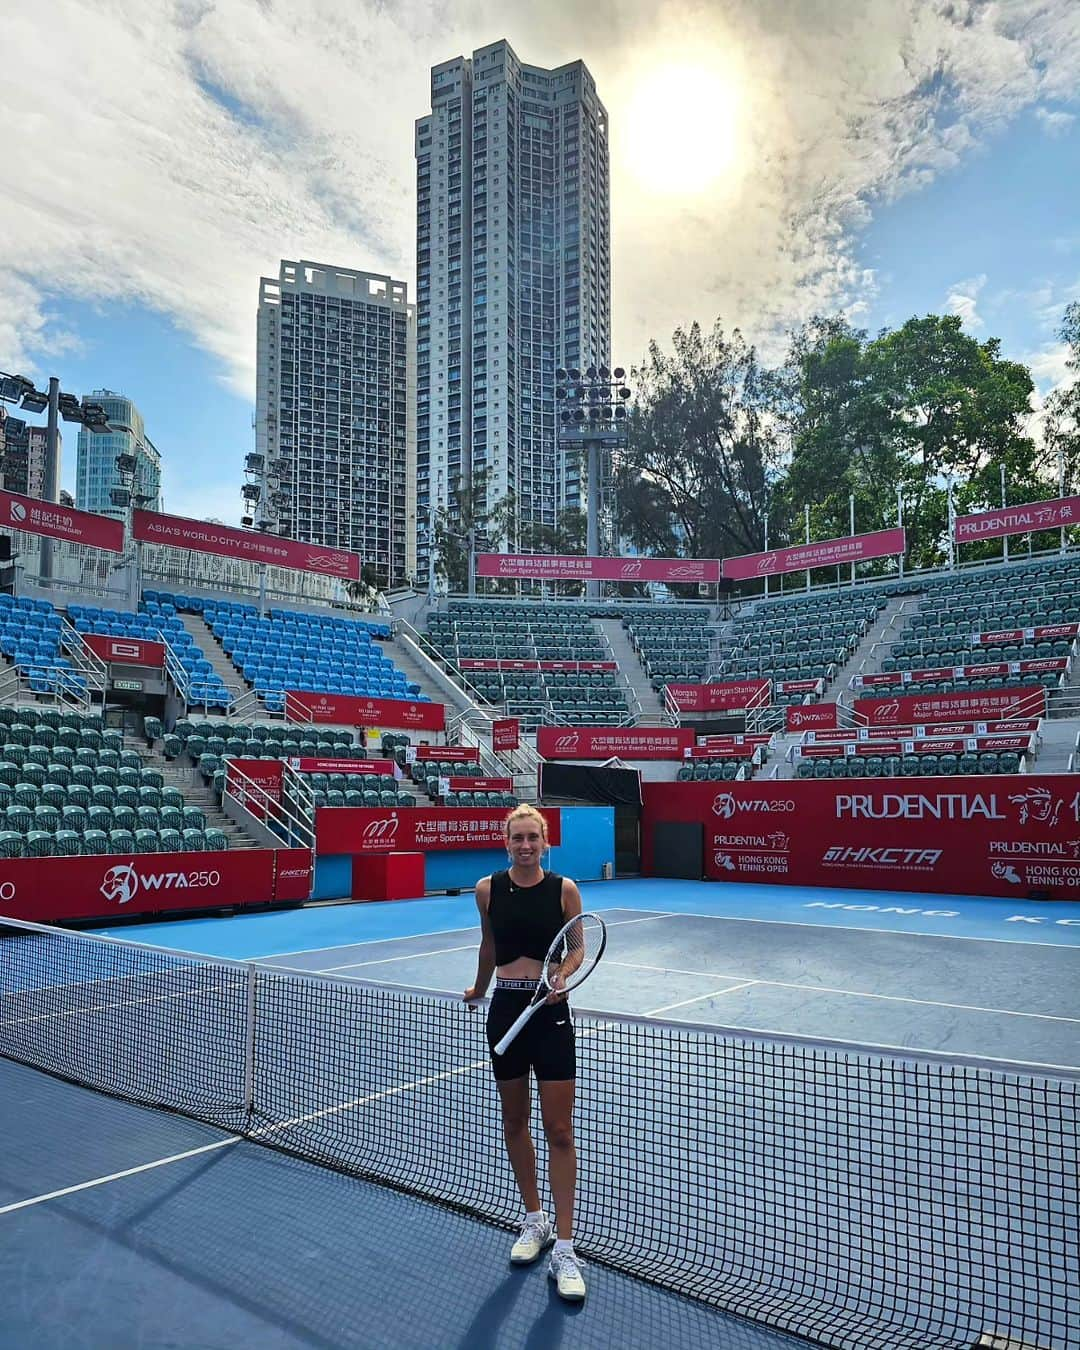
[
  {"x": 557, "y": 1108},
  {"x": 514, "y": 1096}
]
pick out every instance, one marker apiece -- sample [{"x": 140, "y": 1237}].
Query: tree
[
  {"x": 911, "y": 411},
  {"x": 706, "y": 438},
  {"x": 471, "y": 518},
  {"x": 1061, "y": 419}
]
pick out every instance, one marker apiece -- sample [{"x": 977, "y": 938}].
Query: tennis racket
[{"x": 571, "y": 959}]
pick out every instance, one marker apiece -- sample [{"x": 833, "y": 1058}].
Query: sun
[{"x": 680, "y": 131}]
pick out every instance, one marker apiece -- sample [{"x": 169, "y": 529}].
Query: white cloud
[
  {"x": 963, "y": 298},
  {"x": 1055, "y": 123},
  {"x": 171, "y": 154}
]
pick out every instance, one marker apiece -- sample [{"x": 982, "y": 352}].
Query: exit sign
[{"x": 133, "y": 685}]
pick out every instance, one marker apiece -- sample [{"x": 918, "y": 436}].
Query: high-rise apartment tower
[
  {"x": 334, "y": 439},
  {"x": 513, "y": 281}
]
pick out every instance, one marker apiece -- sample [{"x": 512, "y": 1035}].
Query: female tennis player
[{"x": 521, "y": 911}]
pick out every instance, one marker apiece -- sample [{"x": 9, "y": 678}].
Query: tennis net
[{"x": 864, "y": 1199}]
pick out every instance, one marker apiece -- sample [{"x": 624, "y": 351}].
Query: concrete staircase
[
  {"x": 211, "y": 648},
  {"x": 887, "y": 628},
  {"x": 1058, "y": 744},
  {"x": 622, "y": 651},
  {"x": 180, "y": 774},
  {"x": 415, "y": 673}
]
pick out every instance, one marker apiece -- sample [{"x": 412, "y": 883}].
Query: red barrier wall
[
  {"x": 987, "y": 835},
  {"x": 110, "y": 886}
]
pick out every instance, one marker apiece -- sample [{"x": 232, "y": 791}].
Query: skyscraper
[
  {"x": 513, "y": 280},
  {"x": 22, "y": 456},
  {"x": 334, "y": 438},
  {"x": 95, "y": 466}
]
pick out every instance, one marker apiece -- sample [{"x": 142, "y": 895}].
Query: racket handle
[{"x": 503, "y": 1045}]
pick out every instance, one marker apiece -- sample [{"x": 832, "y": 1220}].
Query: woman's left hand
[{"x": 558, "y": 993}]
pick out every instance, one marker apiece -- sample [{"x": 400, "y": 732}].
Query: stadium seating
[
  {"x": 204, "y": 685},
  {"x": 319, "y": 653},
  {"x": 68, "y": 786},
  {"x": 30, "y": 637},
  {"x": 537, "y": 634},
  {"x": 945, "y": 632},
  {"x": 673, "y": 642}
]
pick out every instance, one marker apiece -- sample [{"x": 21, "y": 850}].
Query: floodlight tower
[{"x": 594, "y": 417}]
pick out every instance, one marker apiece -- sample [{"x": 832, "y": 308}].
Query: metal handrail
[
  {"x": 437, "y": 658},
  {"x": 274, "y": 810},
  {"x": 85, "y": 659},
  {"x": 62, "y": 680}
]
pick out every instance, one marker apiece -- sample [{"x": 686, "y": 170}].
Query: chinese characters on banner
[
  {"x": 606, "y": 742},
  {"x": 730, "y": 697},
  {"x": 37, "y": 516},
  {"x": 852, "y": 548},
  {"x": 345, "y": 710},
  {"x": 152, "y": 527},
  {"x": 574, "y": 567},
  {"x": 369, "y": 829},
  {"x": 505, "y": 733},
  {"x": 1007, "y": 835},
  {"x": 1048, "y": 515}
]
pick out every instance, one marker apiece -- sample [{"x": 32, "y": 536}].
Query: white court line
[
  {"x": 877, "y": 932},
  {"x": 827, "y": 989},
  {"x": 435, "y": 932},
  {"x": 468, "y": 947},
  {"x": 255, "y": 1135},
  {"x": 108, "y": 1007},
  {"x": 669, "y": 1007}
]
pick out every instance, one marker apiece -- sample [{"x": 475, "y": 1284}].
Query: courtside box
[{"x": 387, "y": 876}]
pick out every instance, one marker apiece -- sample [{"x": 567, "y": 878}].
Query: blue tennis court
[{"x": 122, "y": 1225}]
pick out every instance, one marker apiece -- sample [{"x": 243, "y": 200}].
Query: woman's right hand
[{"x": 471, "y": 996}]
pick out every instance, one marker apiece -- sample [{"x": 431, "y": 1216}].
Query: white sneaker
[
  {"x": 534, "y": 1237},
  {"x": 565, "y": 1269}
]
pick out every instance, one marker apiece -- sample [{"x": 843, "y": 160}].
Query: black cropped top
[{"x": 524, "y": 919}]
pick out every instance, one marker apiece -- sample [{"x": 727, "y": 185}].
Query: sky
[{"x": 771, "y": 159}]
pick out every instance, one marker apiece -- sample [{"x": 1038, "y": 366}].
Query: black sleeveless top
[{"x": 524, "y": 919}]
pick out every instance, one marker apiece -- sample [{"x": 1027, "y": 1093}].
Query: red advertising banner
[
  {"x": 851, "y": 548},
  {"x": 124, "y": 651},
  {"x": 481, "y": 784},
  {"x": 491, "y": 663},
  {"x": 575, "y": 567},
  {"x": 1039, "y": 666},
  {"x": 606, "y": 742},
  {"x": 37, "y": 516},
  {"x": 935, "y": 746},
  {"x": 448, "y": 752},
  {"x": 730, "y": 697},
  {"x": 712, "y": 747},
  {"x": 345, "y": 710},
  {"x": 384, "y": 767},
  {"x": 1048, "y": 515},
  {"x": 202, "y": 536},
  {"x": 745, "y": 751},
  {"x": 294, "y": 873},
  {"x": 1009, "y": 635},
  {"x": 1004, "y": 835},
  {"x": 505, "y": 733},
  {"x": 251, "y": 781},
  {"x": 810, "y": 716},
  {"x": 1025, "y": 727},
  {"x": 370, "y": 829},
  {"x": 109, "y": 885},
  {"x": 799, "y": 686},
  {"x": 911, "y": 709}
]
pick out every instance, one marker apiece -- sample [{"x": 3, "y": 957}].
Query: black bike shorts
[{"x": 545, "y": 1044}]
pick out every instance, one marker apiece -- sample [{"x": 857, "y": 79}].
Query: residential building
[
  {"x": 22, "y": 456},
  {"x": 95, "y": 469},
  {"x": 513, "y": 281},
  {"x": 334, "y": 423}
]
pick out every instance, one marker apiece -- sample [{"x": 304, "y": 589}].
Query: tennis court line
[
  {"x": 435, "y": 932},
  {"x": 670, "y": 1007},
  {"x": 827, "y": 989},
  {"x": 877, "y": 932},
  {"x": 441, "y": 951}
]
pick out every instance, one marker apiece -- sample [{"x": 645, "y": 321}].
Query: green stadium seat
[
  {"x": 335, "y": 797},
  {"x": 39, "y": 844},
  {"x": 67, "y": 844},
  {"x": 217, "y": 841},
  {"x": 121, "y": 841},
  {"x": 99, "y": 818},
  {"x": 12, "y": 844},
  {"x": 147, "y": 841},
  {"x": 194, "y": 841},
  {"x": 171, "y": 841},
  {"x": 94, "y": 842}
]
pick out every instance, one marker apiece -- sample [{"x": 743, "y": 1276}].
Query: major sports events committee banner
[
  {"x": 410, "y": 829},
  {"x": 34, "y": 515},
  {"x": 1023, "y": 519},
  {"x": 851, "y": 548},
  {"x": 348, "y": 711},
  {"x": 151, "y": 527},
  {"x": 1004, "y": 835},
  {"x": 574, "y": 567},
  {"x": 606, "y": 742},
  {"x": 975, "y": 704}
]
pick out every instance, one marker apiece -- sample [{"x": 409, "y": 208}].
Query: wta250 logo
[
  {"x": 121, "y": 883},
  {"x": 725, "y": 805}
]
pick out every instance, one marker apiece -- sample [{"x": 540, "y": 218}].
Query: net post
[{"x": 249, "y": 1046}]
